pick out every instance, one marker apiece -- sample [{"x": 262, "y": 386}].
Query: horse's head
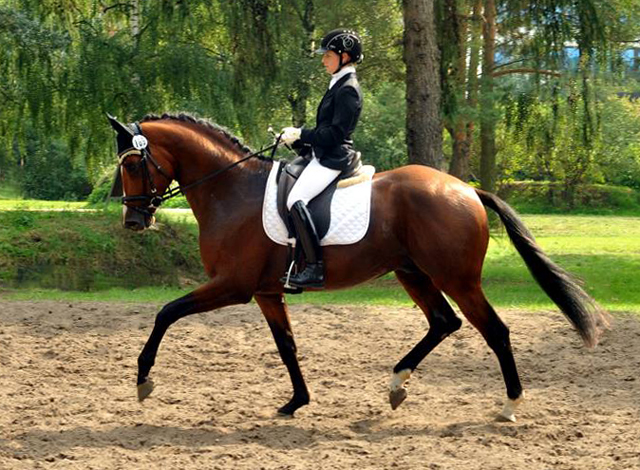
[{"x": 144, "y": 177}]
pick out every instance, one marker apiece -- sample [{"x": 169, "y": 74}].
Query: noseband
[{"x": 154, "y": 200}]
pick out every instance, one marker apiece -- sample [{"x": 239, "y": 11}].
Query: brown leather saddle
[{"x": 320, "y": 206}]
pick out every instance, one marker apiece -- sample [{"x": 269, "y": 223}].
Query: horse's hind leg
[
  {"x": 481, "y": 314},
  {"x": 442, "y": 322},
  {"x": 274, "y": 309}
]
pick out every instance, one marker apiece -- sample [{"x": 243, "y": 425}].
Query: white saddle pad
[{"x": 350, "y": 210}]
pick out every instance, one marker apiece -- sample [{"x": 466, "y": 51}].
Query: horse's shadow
[
  {"x": 276, "y": 434},
  {"x": 38, "y": 444}
]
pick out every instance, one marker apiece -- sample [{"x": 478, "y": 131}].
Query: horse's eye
[{"x": 132, "y": 167}]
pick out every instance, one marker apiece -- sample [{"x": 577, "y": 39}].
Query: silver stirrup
[{"x": 286, "y": 284}]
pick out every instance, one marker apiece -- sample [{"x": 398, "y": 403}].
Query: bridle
[
  {"x": 141, "y": 149},
  {"x": 151, "y": 202}
]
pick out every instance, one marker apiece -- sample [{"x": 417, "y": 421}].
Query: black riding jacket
[{"x": 337, "y": 116}]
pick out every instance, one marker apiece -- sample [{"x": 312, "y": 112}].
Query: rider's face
[{"x": 331, "y": 62}]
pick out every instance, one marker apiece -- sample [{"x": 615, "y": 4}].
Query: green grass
[
  {"x": 40, "y": 205},
  {"x": 116, "y": 294},
  {"x": 604, "y": 251},
  {"x": 85, "y": 251}
]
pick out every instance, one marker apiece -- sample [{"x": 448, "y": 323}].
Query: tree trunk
[
  {"x": 488, "y": 119},
  {"x": 135, "y": 34},
  {"x": 135, "y": 21},
  {"x": 460, "y": 149},
  {"x": 424, "y": 125},
  {"x": 475, "y": 42}
]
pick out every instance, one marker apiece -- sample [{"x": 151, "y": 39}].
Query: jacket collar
[{"x": 341, "y": 73}]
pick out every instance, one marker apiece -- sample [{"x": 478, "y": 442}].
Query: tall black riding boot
[{"x": 313, "y": 273}]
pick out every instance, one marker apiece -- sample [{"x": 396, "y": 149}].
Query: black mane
[{"x": 184, "y": 117}]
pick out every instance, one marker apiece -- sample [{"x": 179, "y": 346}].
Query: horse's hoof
[
  {"x": 396, "y": 397},
  {"x": 285, "y": 413},
  {"x": 290, "y": 408},
  {"x": 145, "y": 389},
  {"x": 508, "y": 412},
  {"x": 287, "y": 410},
  {"x": 506, "y": 416}
]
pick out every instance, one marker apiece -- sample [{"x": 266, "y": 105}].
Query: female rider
[{"x": 331, "y": 144}]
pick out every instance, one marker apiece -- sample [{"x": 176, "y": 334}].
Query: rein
[{"x": 141, "y": 149}]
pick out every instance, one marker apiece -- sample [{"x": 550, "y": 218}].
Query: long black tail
[{"x": 588, "y": 318}]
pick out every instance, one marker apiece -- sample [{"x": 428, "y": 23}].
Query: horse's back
[{"x": 433, "y": 189}]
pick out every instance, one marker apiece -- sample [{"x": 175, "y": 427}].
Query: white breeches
[{"x": 312, "y": 181}]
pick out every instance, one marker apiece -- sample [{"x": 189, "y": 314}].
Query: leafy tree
[
  {"x": 51, "y": 175},
  {"x": 245, "y": 64},
  {"x": 248, "y": 65},
  {"x": 540, "y": 141},
  {"x": 619, "y": 154},
  {"x": 380, "y": 136}
]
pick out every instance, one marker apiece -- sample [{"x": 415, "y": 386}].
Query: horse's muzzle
[{"x": 135, "y": 220}]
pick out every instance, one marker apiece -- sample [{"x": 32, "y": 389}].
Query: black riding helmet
[{"x": 342, "y": 40}]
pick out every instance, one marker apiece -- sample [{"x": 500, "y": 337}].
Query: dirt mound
[{"x": 68, "y": 398}]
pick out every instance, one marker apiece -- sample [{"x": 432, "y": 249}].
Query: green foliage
[
  {"x": 242, "y": 64},
  {"x": 381, "y": 132},
  {"x": 553, "y": 58},
  {"x": 248, "y": 65},
  {"x": 179, "y": 202},
  {"x": 101, "y": 190},
  {"x": 543, "y": 139},
  {"x": 9, "y": 191},
  {"x": 619, "y": 155},
  {"x": 542, "y": 197},
  {"x": 49, "y": 174}
]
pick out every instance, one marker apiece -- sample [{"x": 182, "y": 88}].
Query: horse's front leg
[
  {"x": 211, "y": 296},
  {"x": 274, "y": 309}
]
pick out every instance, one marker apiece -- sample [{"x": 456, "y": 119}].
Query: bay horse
[{"x": 428, "y": 227}]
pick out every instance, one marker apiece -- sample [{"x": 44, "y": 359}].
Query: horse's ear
[
  {"x": 124, "y": 134},
  {"x": 118, "y": 126}
]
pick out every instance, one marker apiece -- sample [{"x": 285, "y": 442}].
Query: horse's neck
[{"x": 237, "y": 190}]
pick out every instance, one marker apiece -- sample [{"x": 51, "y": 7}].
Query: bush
[
  {"x": 101, "y": 190},
  {"x": 538, "y": 144},
  {"x": 179, "y": 202},
  {"x": 380, "y": 135},
  {"x": 550, "y": 197},
  {"x": 50, "y": 174},
  {"x": 619, "y": 159}
]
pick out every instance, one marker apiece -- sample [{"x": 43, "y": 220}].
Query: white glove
[{"x": 290, "y": 135}]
